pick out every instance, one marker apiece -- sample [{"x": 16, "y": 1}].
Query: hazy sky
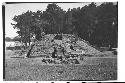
[{"x": 16, "y": 9}]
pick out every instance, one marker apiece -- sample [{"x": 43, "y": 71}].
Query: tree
[
  {"x": 23, "y": 24},
  {"x": 106, "y": 30},
  {"x": 84, "y": 20},
  {"x": 54, "y": 15},
  {"x": 96, "y": 24}
]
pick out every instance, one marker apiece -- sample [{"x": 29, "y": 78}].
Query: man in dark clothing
[
  {"x": 54, "y": 53},
  {"x": 28, "y": 54},
  {"x": 71, "y": 47}
]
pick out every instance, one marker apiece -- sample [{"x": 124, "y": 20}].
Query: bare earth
[{"x": 33, "y": 69}]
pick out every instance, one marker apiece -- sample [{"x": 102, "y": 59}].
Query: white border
[{"x": 121, "y": 40}]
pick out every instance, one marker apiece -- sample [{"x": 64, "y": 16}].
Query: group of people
[{"x": 61, "y": 48}]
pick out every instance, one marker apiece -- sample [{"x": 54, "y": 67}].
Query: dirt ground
[{"x": 33, "y": 69}]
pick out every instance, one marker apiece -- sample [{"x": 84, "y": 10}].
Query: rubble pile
[
  {"x": 88, "y": 49},
  {"x": 62, "y": 49}
]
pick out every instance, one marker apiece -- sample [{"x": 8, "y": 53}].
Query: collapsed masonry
[{"x": 62, "y": 47}]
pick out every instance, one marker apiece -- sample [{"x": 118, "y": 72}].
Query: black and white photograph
[{"x": 60, "y": 41}]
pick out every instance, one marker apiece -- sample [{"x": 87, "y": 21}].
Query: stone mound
[{"x": 68, "y": 46}]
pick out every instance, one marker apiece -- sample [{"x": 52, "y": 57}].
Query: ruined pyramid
[{"x": 45, "y": 46}]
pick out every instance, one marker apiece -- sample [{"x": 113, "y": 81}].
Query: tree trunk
[
  {"x": 29, "y": 35},
  {"x": 25, "y": 45},
  {"x": 29, "y": 41},
  {"x": 28, "y": 54}
]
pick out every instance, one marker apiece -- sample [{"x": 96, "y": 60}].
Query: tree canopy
[{"x": 96, "y": 24}]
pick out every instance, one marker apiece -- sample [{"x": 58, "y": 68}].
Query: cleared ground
[{"x": 33, "y": 69}]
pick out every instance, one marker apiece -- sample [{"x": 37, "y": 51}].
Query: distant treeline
[
  {"x": 96, "y": 24},
  {"x": 13, "y": 39}
]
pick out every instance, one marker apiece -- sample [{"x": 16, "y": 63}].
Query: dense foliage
[{"x": 96, "y": 24}]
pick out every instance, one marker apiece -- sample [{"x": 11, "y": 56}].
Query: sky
[{"x": 16, "y": 9}]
